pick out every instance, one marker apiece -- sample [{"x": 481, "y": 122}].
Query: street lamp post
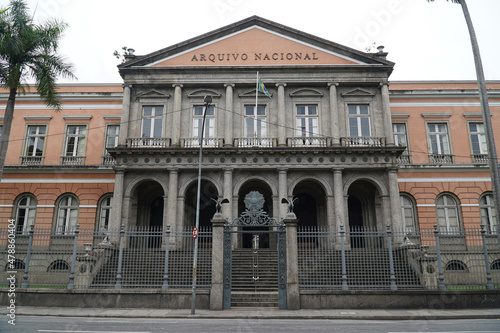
[{"x": 207, "y": 100}]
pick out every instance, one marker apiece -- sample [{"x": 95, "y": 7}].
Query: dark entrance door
[{"x": 355, "y": 222}]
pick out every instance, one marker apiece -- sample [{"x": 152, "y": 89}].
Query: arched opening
[
  {"x": 363, "y": 208},
  {"x": 207, "y": 207},
  {"x": 310, "y": 209},
  {"x": 149, "y": 217},
  {"x": 264, "y": 189}
]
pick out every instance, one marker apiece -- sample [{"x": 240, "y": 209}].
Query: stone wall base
[
  {"x": 139, "y": 299},
  {"x": 400, "y": 299}
]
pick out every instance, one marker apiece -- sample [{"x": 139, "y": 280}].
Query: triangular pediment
[
  {"x": 358, "y": 93},
  {"x": 306, "y": 93},
  {"x": 152, "y": 94},
  {"x": 255, "y": 42},
  {"x": 251, "y": 93},
  {"x": 201, "y": 93}
]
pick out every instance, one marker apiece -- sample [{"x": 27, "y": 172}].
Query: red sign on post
[{"x": 195, "y": 232}]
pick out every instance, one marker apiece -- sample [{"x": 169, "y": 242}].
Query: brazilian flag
[{"x": 262, "y": 88}]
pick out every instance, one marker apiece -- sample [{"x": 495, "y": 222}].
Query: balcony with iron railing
[{"x": 31, "y": 160}]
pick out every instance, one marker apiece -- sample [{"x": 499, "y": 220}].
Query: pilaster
[
  {"x": 228, "y": 130},
  {"x": 176, "y": 115},
  {"x": 124, "y": 122},
  {"x": 281, "y": 114},
  {"x": 334, "y": 114}
]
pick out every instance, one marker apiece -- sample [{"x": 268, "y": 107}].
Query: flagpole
[{"x": 256, "y": 101}]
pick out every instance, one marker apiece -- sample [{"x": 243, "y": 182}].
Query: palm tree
[
  {"x": 483, "y": 96},
  {"x": 28, "y": 52}
]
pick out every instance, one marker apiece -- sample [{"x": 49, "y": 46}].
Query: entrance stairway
[{"x": 254, "y": 286}]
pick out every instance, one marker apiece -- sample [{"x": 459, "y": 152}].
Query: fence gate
[{"x": 254, "y": 217}]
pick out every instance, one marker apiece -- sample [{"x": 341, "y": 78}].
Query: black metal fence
[
  {"x": 85, "y": 258},
  {"x": 368, "y": 259}
]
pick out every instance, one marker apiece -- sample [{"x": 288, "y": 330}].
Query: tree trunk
[
  {"x": 7, "y": 124},
  {"x": 483, "y": 95}
]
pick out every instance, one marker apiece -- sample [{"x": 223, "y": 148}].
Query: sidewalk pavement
[{"x": 260, "y": 313}]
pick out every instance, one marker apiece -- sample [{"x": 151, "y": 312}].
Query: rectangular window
[
  {"x": 76, "y": 137},
  {"x": 35, "y": 140},
  {"x": 307, "y": 120},
  {"x": 478, "y": 139},
  {"x": 255, "y": 122},
  {"x": 439, "y": 142},
  {"x": 152, "y": 122},
  {"x": 359, "y": 120},
  {"x": 209, "y": 130},
  {"x": 112, "y": 133}
]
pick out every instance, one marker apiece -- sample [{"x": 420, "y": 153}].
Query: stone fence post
[
  {"x": 292, "y": 263},
  {"x": 216, "y": 290}
]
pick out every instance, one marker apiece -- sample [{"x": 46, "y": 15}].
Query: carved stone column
[
  {"x": 176, "y": 115},
  {"x": 282, "y": 191},
  {"x": 334, "y": 112},
  {"x": 397, "y": 218},
  {"x": 228, "y": 130},
  {"x": 386, "y": 110},
  {"x": 338, "y": 191},
  {"x": 281, "y": 114},
  {"x": 172, "y": 201},
  {"x": 124, "y": 123},
  {"x": 227, "y": 210},
  {"x": 116, "y": 212}
]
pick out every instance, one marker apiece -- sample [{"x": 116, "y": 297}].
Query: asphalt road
[{"x": 141, "y": 325}]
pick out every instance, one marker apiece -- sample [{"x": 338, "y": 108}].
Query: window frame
[
  {"x": 263, "y": 120},
  {"x": 429, "y": 139},
  {"x": 197, "y": 120},
  {"x": 481, "y": 152},
  {"x": 101, "y": 206},
  {"x": 307, "y": 118},
  {"x": 107, "y": 136},
  {"x": 78, "y": 136},
  {"x": 36, "y": 136},
  {"x": 153, "y": 117},
  {"x": 68, "y": 227},
  {"x": 413, "y": 208},
  {"x": 30, "y": 206},
  {"x": 446, "y": 209},
  {"x": 489, "y": 225},
  {"x": 358, "y": 116}
]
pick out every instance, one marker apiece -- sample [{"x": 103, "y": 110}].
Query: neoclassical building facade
[{"x": 330, "y": 129}]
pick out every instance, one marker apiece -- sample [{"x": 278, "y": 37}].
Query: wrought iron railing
[
  {"x": 128, "y": 258},
  {"x": 362, "y": 141},
  {"x": 368, "y": 259},
  {"x": 148, "y": 142},
  {"x": 31, "y": 160}
]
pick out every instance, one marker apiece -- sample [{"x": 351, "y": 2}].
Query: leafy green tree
[
  {"x": 483, "y": 95},
  {"x": 28, "y": 51}
]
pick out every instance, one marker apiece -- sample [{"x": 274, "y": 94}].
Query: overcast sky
[{"x": 427, "y": 41}]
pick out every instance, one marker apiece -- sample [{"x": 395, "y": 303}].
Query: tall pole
[
  {"x": 483, "y": 96},
  {"x": 207, "y": 100}
]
